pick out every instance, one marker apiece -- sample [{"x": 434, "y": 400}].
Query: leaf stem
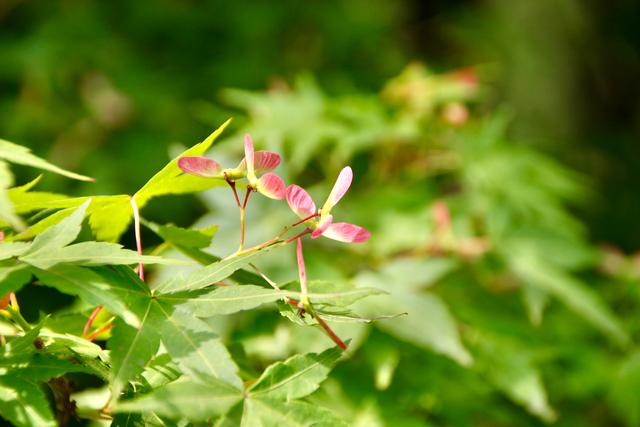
[
  {"x": 136, "y": 223},
  {"x": 17, "y": 317},
  {"x": 302, "y": 273},
  {"x": 232, "y": 184},
  {"x": 92, "y": 318},
  {"x": 336, "y": 339},
  {"x": 104, "y": 328}
]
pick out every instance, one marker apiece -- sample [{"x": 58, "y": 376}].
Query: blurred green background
[{"x": 110, "y": 88}]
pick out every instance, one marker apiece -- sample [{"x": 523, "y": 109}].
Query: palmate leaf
[
  {"x": 185, "y": 237},
  {"x": 12, "y": 249},
  {"x": 22, "y": 155},
  {"x": 224, "y": 299},
  {"x": 235, "y": 298},
  {"x": 161, "y": 370},
  {"x": 186, "y": 399},
  {"x": 42, "y": 225},
  {"x": 196, "y": 349},
  {"x": 60, "y": 234},
  {"x": 13, "y": 277},
  {"x": 117, "y": 289},
  {"x": 171, "y": 180},
  {"x": 39, "y": 367},
  {"x": 93, "y": 253},
  {"x": 266, "y": 412},
  {"x": 131, "y": 349},
  {"x": 189, "y": 242},
  {"x": 329, "y": 313},
  {"x": 49, "y": 248},
  {"x": 111, "y": 215},
  {"x": 24, "y": 403},
  {"x": 296, "y": 377},
  {"x": 210, "y": 274},
  {"x": 7, "y": 210},
  {"x": 263, "y": 403}
]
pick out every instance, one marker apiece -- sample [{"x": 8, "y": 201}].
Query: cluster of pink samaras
[{"x": 256, "y": 167}]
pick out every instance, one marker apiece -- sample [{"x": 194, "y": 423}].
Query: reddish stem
[
  {"x": 246, "y": 197},
  {"x": 302, "y": 271},
  {"x": 304, "y": 219},
  {"x": 91, "y": 319},
  {"x": 97, "y": 332},
  {"x": 232, "y": 184},
  {"x": 336, "y": 339},
  {"x": 298, "y": 236}
]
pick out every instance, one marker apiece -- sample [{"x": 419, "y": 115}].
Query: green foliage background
[{"x": 540, "y": 328}]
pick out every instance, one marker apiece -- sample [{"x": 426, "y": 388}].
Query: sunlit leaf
[
  {"x": 93, "y": 253},
  {"x": 296, "y": 377},
  {"x": 179, "y": 399},
  {"x": 275, "y": 413},
  {"x": 195, "y": 348},
  {"x": 22, "y": 155},
  {"x": 24, "y": 403}
]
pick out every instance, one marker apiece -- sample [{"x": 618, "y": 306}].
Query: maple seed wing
[
  {"x": 348, "y": 233},
  {"x": 325, "y": 222},
  {"x": 339, "y": 189},
  {"x": 249, "y": 157},
  {"x": 272, "y": 186},
  {"x": 200, "y": 166},
  {"x": 300, "y": 201},
  {"x": 264, "y": 161}
]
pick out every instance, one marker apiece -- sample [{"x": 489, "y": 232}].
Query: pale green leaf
[
  {"x": 110, "y": 217},
  {"x": 22, "y": 155},
  {"x": 296, "y": 377},
  {"x": 12, "y": 249},
  {"x": 195, "y": 348},
  {"x": 225, "y": 299},
  {"x": 210, "y": 274},
  {"x": 93, "y": 253},
  {"x": 171, "y": 180},
  {"x": 159, "y": 371},
  {"x": 192, "y": 400},
  {"x": 185, "y": 237},
  {"x": 28, "y": 201},
  {"x": 231, "y": 299},
  {"x": 60, "y": 234},
  {"x": 274, "y": 413},
  {"x": 44, "y": 224},
  {"x": 7, "y": 209},
  {"x": 428, "y": 323}
]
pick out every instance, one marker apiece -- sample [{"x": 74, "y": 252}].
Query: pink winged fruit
[
  {"x": 321, "y": 222},
  {"x": 254, "y": 163}
]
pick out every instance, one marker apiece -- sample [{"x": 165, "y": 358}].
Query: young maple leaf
[{"x": 302, "y": 204}]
